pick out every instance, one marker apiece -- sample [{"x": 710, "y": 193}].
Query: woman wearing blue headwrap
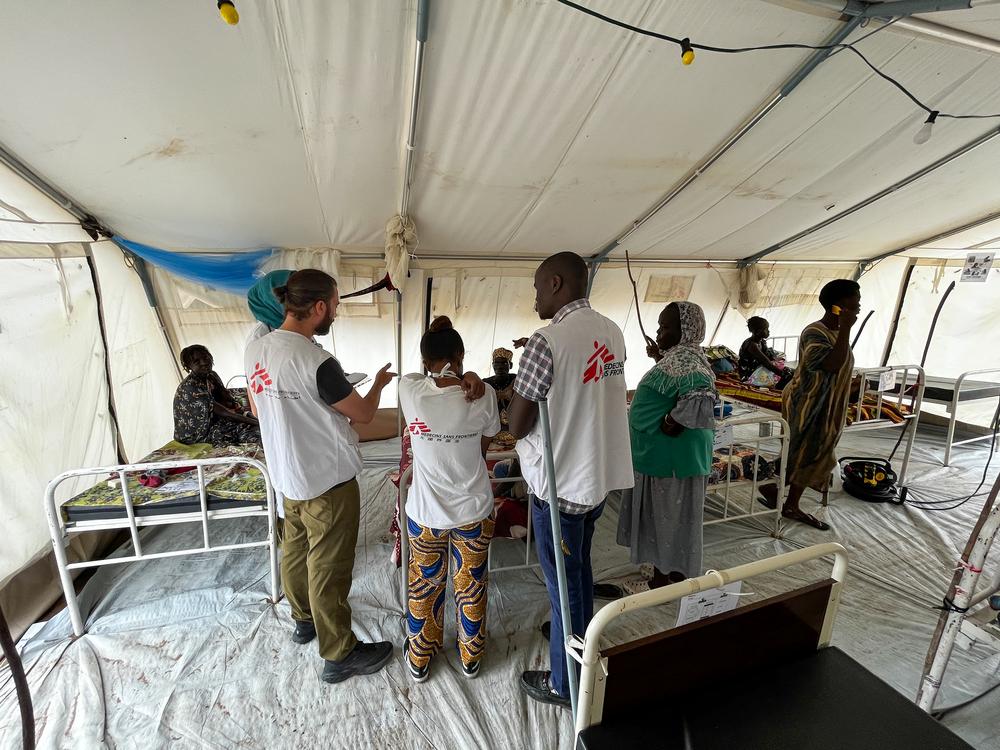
[{"x": 266, "y": 308}]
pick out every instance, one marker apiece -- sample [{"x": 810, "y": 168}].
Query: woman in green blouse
[{"x": 672, "y": 423}]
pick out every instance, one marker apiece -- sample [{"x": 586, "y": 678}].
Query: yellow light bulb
[
  {"x": 228, "y": 12},
  {"x": 687, "y": 51}
]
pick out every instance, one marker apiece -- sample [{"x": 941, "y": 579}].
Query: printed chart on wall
[{"x": 977, "y": 266}]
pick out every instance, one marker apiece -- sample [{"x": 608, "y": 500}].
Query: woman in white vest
[
  {"x": 449, "y": 509},
  {"x": 576, "y": 363}
]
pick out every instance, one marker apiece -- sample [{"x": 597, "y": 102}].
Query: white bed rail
[
  {"x": 953, "y": 413},
  {"x": 59, "y": 529},
  {"x": 720, "y": 493},
  {"x": 781, "y": 344},
  {"x": 906, "y": 392},
  {"x": 594, "y": 673}
]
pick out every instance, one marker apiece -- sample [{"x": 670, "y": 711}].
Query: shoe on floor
[
  {"x": 608, "y": 591},
  {"x": 546, "y": 629},
  {"x": 305, "y": 631},
  {"x": 536, "y": 686},
  {"x": 470, "y": 671},
  {"x": 366, "y": 658},
  {"x": 419, "y": 674}
]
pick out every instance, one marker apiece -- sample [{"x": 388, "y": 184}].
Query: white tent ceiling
[{"x": 539, "y": 128}]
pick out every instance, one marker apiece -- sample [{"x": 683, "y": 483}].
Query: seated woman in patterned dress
[{"x": 204, "y": 409}]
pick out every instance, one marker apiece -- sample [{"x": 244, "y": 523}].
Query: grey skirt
[{"x": 661, "y": 522}]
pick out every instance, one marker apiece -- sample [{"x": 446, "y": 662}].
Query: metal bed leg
[
  {"x": 557, "y": 543},
  {"x": 272, "y": 536},
  {"x": 952, "y": 420},
  {"x": 59, "y": 549},
  {"x": 404, "y": 546}
]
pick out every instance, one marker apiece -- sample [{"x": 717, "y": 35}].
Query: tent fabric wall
[
  {"x": 53, "y": 395},
  {"x": 493, "y": 304},
  {"x": 363, "y": 338},
  {"x": 787, "y": 297},
  {"x": 143, "y": 370},
  {"x": 967, "y": 336}
]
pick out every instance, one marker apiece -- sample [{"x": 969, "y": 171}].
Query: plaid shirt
[{"x": 534, "y": 378}]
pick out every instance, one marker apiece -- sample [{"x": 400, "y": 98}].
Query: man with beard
[{"x": 306, "y": 406}]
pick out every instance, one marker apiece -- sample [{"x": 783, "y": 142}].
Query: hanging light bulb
[
  {"x": 228, "y": 12},
  {"x": 687, "y": 52},
  {"x": 924, "y": 134}
]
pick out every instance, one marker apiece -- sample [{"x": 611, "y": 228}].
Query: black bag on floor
[{"x": 869, "y": 479}]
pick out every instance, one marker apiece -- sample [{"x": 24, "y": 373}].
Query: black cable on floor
[{"x": 20, "y": 684}]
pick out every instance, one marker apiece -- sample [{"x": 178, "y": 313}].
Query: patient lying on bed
[{"x": 204, "y": 409}]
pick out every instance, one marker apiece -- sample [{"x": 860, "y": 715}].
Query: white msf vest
[
  {"x": 587, "y": 411},
  {"x": 308, "y": 445}
]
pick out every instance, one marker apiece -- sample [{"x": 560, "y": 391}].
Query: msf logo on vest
[
  {"x": 259, "y": 378},
  {"x": 602, "y": 364},
  {"x": 417, "y": 427}
]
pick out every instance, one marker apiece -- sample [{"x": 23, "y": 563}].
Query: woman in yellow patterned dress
[{"x": 814, "y": 403}]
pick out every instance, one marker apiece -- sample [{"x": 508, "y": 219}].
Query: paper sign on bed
[
  {"x": 723, "y": 438},
  {"x": 696, "y": 607},
  {"x": 887, "y": 381}
]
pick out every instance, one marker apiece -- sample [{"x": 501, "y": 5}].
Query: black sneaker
[
  {"x": 608, "y": 591},
  {"x": 419, "y": 674},
  {"x": 366, "y": 658},
  {"x": 305, "y": 631},
  {"x": 470, "y": 671},
  {"x": 536, "y": 685}
]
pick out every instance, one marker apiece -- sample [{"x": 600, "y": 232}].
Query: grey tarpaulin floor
[{"x": 186, "y": 652}]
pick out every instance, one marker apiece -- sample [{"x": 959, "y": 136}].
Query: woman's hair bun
[
  {"x": 281, "y": 292},
  {"x": 440, "y": 323}
]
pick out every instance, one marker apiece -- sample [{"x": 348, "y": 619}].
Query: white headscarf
[{"x": 686, "y": 359}]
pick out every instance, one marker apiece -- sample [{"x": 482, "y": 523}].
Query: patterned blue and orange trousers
[{"x": 430, "y": 550}]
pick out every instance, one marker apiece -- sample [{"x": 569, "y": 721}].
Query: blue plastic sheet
[{"x": 227, "y": 272}]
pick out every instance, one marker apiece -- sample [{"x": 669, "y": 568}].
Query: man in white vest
[
  {"x": 577, "y": 363},
  {"x": 305, "y": 405}
]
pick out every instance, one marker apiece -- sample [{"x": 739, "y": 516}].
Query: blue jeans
[{"x": 577, "y": 534}]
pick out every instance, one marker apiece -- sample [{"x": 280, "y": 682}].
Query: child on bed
[{"x": 449, "y": 509}]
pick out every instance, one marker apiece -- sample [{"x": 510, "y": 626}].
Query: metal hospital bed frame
[
  {"x": 961, "y": 390},
  {"x": 720, "y": 498},
  {"x": 762, "y": 675},
  {"x": 404, "y": 546},
  {"x": 60, "y": 529},
  {"x": 906, "y": 377}
]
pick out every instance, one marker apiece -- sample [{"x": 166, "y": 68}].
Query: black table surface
[{"x": 824, "y": 701}]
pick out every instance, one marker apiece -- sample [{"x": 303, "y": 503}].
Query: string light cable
[{"x": 688, "y": 49}]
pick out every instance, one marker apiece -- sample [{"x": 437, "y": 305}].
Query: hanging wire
[{"x": 686, "y": 43}]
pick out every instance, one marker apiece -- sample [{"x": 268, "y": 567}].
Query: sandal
[
  {"x": 802, "y": 517},
  {"x": 767, "y": 502}
]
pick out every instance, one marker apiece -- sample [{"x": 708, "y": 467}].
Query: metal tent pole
[
  {"x": 959, "y": 599},
  {"x": 399, "y": 359},
  {"x": 557, "y": 546}
]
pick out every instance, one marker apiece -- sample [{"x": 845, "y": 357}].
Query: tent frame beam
[
  {"x": 423, "y": 22},
  {"x": 759, "y": 114},
  {"x": 871, "y": 199},
  {"x": 865, "y": 264}
]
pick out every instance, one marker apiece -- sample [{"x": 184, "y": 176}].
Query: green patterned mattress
[{"x": 229, "y": 486}]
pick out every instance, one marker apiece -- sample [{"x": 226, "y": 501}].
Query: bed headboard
[{"x": 661, "y": 667}]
